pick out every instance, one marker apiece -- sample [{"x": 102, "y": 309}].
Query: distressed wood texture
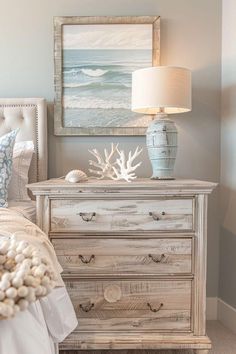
[
  {"x": 119, "y": 215},
  {"x": 114, "y": 189},
  {"x": 199, "y": 291},
  {"x": 59, "y": 22},
  {"x": 134, "y": 260},
  {"x": 140, "y": 340},
  {"x": 43, "y": 213},
  {"x": 124, "y": 256},
  {"x": 130, "y": 351},
  {"x": 139, "y": 351},
  {"x": 141, "y": 305}
]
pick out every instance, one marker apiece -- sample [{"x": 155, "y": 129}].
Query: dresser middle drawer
[
  {"x": 121, "y": 215},
  {"x": 124, "y": 256}
]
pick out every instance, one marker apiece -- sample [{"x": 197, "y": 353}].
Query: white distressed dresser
[{"x": 134, "y": 260}]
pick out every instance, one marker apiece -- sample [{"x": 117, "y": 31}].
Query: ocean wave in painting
[
  {"x": 98, "y": 82},
  {"x": 94, "y": 73},
  {"x": 74, "y": 102},
  {"x": 97, "y": 85}
]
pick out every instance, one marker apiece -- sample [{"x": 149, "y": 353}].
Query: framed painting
[{"x": 94, "y": 59}]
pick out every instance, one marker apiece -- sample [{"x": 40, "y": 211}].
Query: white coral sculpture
[
  {"x": 25, "y": 276},
  {"x": 105, "y": 163},
  {"x": 126, "y": 170}
]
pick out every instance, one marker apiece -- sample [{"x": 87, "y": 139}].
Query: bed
[{"x": 47, "y": 321}]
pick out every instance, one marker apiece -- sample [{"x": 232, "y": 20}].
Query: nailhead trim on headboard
[{"x": 36, "y": 165}]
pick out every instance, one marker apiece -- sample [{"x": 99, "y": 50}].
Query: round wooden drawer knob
[{"x": 112, "y": 293}]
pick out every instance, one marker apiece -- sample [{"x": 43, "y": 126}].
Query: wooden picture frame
[{"x": 63, "y": 36}]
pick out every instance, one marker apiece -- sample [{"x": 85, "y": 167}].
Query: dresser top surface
[{"x": 59, "y": 185}]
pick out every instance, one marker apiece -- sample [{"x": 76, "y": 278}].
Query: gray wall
[
  {"x": 227, "y": 288},
  {"x": 190, "y": 36}
]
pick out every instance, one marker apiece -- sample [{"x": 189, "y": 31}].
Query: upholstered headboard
[{"x": 30, "y": 115}]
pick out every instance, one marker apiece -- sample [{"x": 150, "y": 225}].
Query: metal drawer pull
[
  {"x": 155, "y": 216},
  {"x": 85, "y": 260},
  {"x": 157, "y": 259},
  {"x": 87, "y": 216},
  {"x": 154, "y": 310},
  {"x": 86, "y": 308}
]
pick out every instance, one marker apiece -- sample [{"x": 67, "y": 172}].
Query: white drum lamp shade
[{"x": 162, "y": 90}]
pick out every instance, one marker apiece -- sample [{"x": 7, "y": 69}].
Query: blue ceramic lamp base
[{"x": 161, "y": 138}]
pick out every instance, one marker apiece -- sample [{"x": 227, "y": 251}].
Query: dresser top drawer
[{"x": 116, "y": 215}]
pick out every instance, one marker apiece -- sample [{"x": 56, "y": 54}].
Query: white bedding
[
  {"x": 26, "y": 208},
  {"x": 46, "y": 322},
  {"x": 39, "y": 329}
]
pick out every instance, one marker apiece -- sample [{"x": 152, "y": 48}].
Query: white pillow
[{"x": 22, "y": 156}]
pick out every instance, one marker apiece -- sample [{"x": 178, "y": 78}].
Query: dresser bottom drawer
[{"x": 159, "y": 305}]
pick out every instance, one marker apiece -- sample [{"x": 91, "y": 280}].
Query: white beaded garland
[
  {"x": 2, "y": 259},
  {"x": 25, "y": 276},
  {"x": 4, "y": 247},
  {"x": 17, "y": 282},
  {"x": 9, "y": 302},
  {"x": 22, "y": 291},
  {"x": 11, "y": 293},
  {"x": 23, "y": 304}
]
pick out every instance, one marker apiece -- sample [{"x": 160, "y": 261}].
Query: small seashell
[{"x": 76, "y": 176}]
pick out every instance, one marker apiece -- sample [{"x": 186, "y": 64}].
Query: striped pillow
[{"x": 6, "y": 151}]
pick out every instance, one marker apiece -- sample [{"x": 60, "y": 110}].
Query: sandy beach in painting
[{"x": 97, "y": 85}]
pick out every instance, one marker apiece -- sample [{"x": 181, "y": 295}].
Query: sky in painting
[{"x": 121, "y": 36}]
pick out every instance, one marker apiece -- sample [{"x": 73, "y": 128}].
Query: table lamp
[{"x": 161, "y": 90}]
